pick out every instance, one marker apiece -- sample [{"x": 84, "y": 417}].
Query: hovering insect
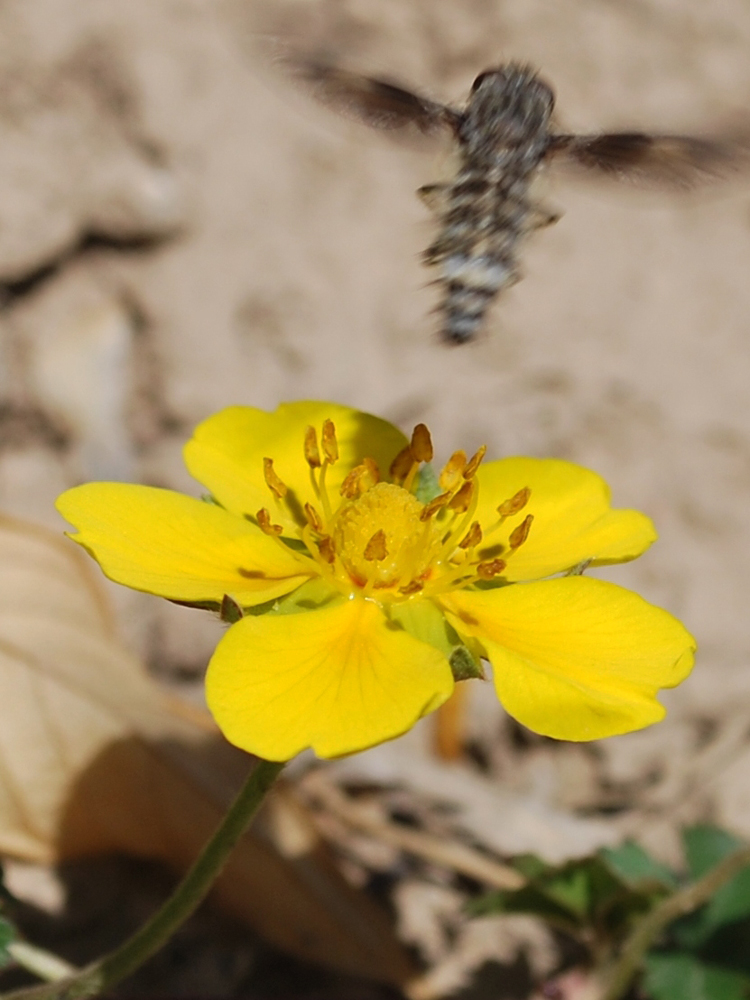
[{"x": 504, "y": 135}]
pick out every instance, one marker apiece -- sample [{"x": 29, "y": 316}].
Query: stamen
[
  {"x": 376, "y": 550},
  {"x": 452, "y": 472},
  {"x": 516, "y": 503},
  {"x": 436, "y": 504},
  {"x": 312, "y": 455},
  {"x": 473, "y": 537},
  {"x": 401, "y": 464},
  {"x": 313, "y": 518},
  {"x": 362, "y": 478},
  {"x": 322, "y": 491},
  {"x": 474, "y": 462},
  {"x": 327, "y": 548},
  {"x": 450, "y": 542},
  {"x": 421, "y": 444},
  {"x": 413, "y": 587},
  {"x": 461, "y": 501},
  {"x": 329, "y": 442},
  {"x": 372, "y": 472},
  {"x": 519, "y": 535},
  {"x": 486, "y": 570},
  {"x": 275, "y": 485},
  {"x": 350, "y": 486},
  {"x": 265, "y": 524}
]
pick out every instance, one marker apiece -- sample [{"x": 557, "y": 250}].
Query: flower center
[{"x": 381, "y": 540}]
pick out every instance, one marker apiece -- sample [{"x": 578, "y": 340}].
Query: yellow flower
[{"x": 361, "y": 586}]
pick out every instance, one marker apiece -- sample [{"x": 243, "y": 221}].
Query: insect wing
[
  {"x": 666, "y": 161},
  {"x": 378, "y": 103}
]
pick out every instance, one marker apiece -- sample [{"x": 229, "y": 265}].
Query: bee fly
[{"x": 504, "y": 135}]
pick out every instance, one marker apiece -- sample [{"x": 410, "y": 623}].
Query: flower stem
[
  {"x": 677, "y": 905},
  {"x": 118, "y": 964}
]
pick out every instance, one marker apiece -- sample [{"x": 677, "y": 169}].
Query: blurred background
[{"x": 179, "y": 231}]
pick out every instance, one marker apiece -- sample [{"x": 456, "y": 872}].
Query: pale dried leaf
[{"x": 94, "y": 757}]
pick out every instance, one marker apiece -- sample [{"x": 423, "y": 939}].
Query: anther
[
  {"x": 421, "y": 444},
  {"x": 362, "y": 478},
  {"x": 474, "y": 462},
  {"x": 472, "y": 537},
  {"x": 275, "y": 485},
  {"x": 371, "y": 474},
  {"x": 327, "y": 549},
  {"x": 453, "y": 471},
  {"x": 265, "y": 524},
  {"x": 313, "y": 518},
  {"x": 486, "y": 570},
  {"x": 350, "y": 486},
  {"x": 402, "y": 464},
  {"x": 461, "y": 501},
  {"x": 329, "y": 442},
  {"x": 376, "y": 549},
  {"x": 436, "y": 504},
  {"x": 516, "y": 503},
  {"x": 519, "y": 535},
  {"x": 411, "y": 588},
  {"x": 312, "y": 455}
]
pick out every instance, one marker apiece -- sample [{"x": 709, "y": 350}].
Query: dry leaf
[{"x": 94, "y": 757}]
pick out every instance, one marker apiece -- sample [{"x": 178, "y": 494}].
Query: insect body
[{"x": 504, "y": 135}]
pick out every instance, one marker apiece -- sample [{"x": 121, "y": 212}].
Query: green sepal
[
  {"x": 311, "y": 596},
  {"x": 424, "y": 620},
  {"x": 427, "y": 486},
  {"x": 230, "y": 611},
  {"x": 465, "y": 666},
  {"x": 213, "y": 606}
]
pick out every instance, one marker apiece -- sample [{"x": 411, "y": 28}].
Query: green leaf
[
  {"x": 576, "y": 892},
  {"x": 572, "y": 889},
  {"x": 531, "y": 866},
  {"x": 683, "y": 977},
  {"x": 7, "y": 935},
  {"x": 731, "y": 902},
  {"x": 706, "y": 846},
  {"x": 637, "y": 869},
  {"x": 527, "y": 900}
]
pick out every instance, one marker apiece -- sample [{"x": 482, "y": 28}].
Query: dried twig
[{"x": 447, "y": 854}]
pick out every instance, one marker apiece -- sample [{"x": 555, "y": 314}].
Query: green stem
[
  {"x": 118, "y": 964},
  {"x": 677, "y": 905}
]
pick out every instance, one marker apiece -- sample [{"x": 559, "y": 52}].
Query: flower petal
[
  {"x": 226, "y": 452},
  {"x": 573, "y": 519},
  {"x": 338, "y": 680},
  {"x": 576, "y": 659},
  {"x": 178, "y": 547}
]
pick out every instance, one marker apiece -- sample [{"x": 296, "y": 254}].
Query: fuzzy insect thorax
[{"x": 509, "y": 108}]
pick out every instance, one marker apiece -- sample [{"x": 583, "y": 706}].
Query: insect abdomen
[
  {"x": 472, "y": 282},
  {"x": 476, "y": 251}
]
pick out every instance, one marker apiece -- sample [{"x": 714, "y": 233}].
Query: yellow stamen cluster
[{"x": 380, "y": 540}]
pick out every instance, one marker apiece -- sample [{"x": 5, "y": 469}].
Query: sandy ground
[{"x": 180, "y": 230}]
